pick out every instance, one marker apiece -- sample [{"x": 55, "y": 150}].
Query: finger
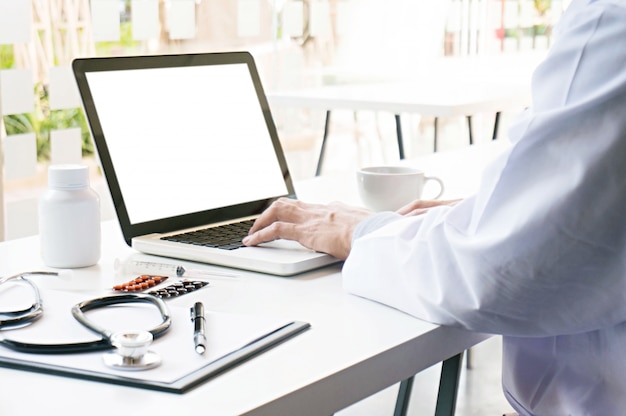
[
  {"x": 423, "y": 207},
  {"x": 424, "y": 204},
  {"x": 416, "y": 212},
  {"x": 405, "y": 209},
  {"x": 286, "y": 210},
  {"x": 275, "y": 231},
  {"x": 411, "y": 206},
  {"x": 272, "y": 214}
]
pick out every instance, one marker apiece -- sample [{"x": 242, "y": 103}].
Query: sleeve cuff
[{"x": 374, "y": 222}]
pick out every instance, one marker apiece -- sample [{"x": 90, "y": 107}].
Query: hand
[
  {"x": 323, "y": 228},
  {"x": 419, "y": 206}
]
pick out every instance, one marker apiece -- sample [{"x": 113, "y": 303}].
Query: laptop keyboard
[{"x": 227, "y": 237}]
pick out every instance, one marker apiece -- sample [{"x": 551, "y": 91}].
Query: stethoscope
[
  {"x": 12, "y": 319},
  {"x": 131, "y": 348}
]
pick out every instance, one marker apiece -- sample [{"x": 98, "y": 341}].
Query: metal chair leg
[
  {"x": 320, "y": 160},
  {"x": 448, "y": 389},
  {"x": 404, "y": 396}
]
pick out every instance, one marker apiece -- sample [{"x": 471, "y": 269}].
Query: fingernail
[{"x": 246, "y": 239}]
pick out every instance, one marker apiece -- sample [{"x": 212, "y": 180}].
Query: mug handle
[{"x": 439, "y": 181}]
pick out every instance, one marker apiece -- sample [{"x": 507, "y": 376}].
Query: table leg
[
  {"x": 435, "y": 129},
  {"x": 448, "y": 386},
  {"x": 399, "y": 135},
  {"x": 495, "y": 126},
  {"x": 320, "y": 160},
  {"x": 469, "y": 127}
]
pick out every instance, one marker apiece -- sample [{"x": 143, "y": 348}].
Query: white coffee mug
[{"x": 388, "y": 188}]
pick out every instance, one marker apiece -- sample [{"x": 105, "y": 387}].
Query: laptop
[{"x": 187, "y": 144}]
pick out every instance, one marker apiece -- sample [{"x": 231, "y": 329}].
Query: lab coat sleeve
[{"x": 540, "y": 249}]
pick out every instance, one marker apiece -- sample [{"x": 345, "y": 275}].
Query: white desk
[
  {"x": 446, "y": 90},
  {"x": 460, "y": 169},
  {"x": 438, "y": 99},
  {"x": 355, "y": 347}
]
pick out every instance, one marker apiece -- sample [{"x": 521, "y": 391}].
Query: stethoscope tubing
[
  {"x": 57, "y": 349},
  {"x": 102, "y": 344},
  {"x": 10, "y": 319}
]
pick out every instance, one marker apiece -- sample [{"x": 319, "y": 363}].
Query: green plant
[
  {"x": 6, "y": 56},
  {"x": 542, "y": 6}
]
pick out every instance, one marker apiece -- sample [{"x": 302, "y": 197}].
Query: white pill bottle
[{"x": 69, "y": 218}]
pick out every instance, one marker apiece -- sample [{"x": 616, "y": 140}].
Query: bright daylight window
[{"x": 297, "y": 44}]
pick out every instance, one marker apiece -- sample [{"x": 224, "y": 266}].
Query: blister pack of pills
[
  {"x": 178, "y": 289},
  {"x": 150, "y": 282}
]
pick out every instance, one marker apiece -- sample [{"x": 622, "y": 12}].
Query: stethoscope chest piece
[{"x": 131, "y": 352}]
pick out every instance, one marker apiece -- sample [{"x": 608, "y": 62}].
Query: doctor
[{"x": 538, "y": 255}]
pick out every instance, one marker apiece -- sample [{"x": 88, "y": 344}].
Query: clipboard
[{"x": 232, "y": 340}]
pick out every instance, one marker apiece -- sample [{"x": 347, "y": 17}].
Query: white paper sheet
[
  {"x": 16, "y": 91},
  {"x": 105, "y": 20},
  {"x": 182, "y": 19},
  {"x": 344, "y": 14},
  {"x": 20, "y": 156},
  {"x": 248, "y": 18},
  {"x": 225, "y": 334},
  {"x": 66, "y": 146},
  {"x": 15, "y": 21},
  {"x": 145, "y": 19},
  {"x": 63, "y": 90},
  {"x": 319, "y": 18},
  {"x": 293, "y": 18}
]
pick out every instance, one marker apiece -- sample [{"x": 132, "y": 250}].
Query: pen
[{"x": 199, "y": 334}]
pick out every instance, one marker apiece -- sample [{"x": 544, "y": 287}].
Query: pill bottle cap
[{"x": 68, "y": 176}]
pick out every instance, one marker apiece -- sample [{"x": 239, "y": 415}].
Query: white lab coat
[{"x": 539, "y": 253}]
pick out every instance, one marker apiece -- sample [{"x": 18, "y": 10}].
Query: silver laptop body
[{"x": 188, "y": 142}]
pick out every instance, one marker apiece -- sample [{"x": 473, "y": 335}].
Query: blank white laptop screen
[
  {"x": 187, "y": 142},
  {"x": 199, "y": 128}
]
